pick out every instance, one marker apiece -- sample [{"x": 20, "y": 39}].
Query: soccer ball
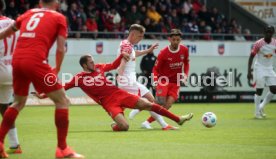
[{"x": 209, "y": 119}]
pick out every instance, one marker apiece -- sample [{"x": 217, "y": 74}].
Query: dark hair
[
  {"x": 269, "y": 28},
  {"x": 175, "y": 32},
  {"x": 137, "y": 27},
  {"x": 83, "y": 59},
  {"x": 2, "y": 5}
]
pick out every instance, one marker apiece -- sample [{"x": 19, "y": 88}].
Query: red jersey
[
  {"x": 39, "y": 29},
  {"x": 170, "y": 63},
  {"x": 95, "y": 84}
]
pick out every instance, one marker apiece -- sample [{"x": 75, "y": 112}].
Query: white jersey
[
  {"x": 128, "y": 80},
  {"x": 7, "y": 46},
  {"x": 264, "y": 53},
  {"x": 129, "y": 72}
]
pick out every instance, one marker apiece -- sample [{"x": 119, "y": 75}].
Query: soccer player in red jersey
[
  {"x": 7, "y": 46},
  {"x": 93, "y": 82},
  {"x": 39, "y": 29},
  {"x": 169, "y": 65}
]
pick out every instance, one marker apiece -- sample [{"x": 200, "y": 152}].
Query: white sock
[
  {"x": 266, "y": 100},
  {"x": 257, "y": 100},
  {"x": 13, "y": 138},
  {"x": 159, "y": 119}
]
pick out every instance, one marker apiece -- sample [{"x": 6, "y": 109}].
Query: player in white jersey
[
  {"x": 264, "y": 50},
  {"x": 7, "y": 46},
  {"x": 127, "y": 74}
]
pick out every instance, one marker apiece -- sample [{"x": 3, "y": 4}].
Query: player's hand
[
  {"x": 126, "y": 56},
  {"x": 40, "y": 96},
  {"x": 152, "y": 47},
  {"x": 154, "y": 84},
  {"x": 249, "y": 76}
]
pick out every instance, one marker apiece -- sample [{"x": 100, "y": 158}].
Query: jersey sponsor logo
[
  {"x": 176, "y": 65},
  {"x": 159, "y": 91},
  {"x": 28, "y": 35},
  {"x": 221, "y": 49},
  {"x": 99, "y": 47}
]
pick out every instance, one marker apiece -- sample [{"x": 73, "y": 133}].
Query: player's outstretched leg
[
  {"x": 143, "y": 104},
  {"x": 133, "y": 113}
]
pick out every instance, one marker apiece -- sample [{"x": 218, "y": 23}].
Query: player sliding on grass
[{"x": 93, "y": 82}]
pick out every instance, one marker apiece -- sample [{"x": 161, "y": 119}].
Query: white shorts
[
  {"x": 264, "y": 77},
  {"x": 6, "y": 89},
  {"x": 135, "y": 88},
  {"x": 6, "y": 92}
]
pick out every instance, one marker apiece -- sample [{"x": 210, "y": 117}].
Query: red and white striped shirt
[{"x": 265, "y": 53}]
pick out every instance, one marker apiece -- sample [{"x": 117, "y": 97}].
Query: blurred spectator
[
  {"x": 207, "y": 35},
  {"x": 153, "y": 14},
  {"x": 238, "y": 35},
  {"x": 116, "y": 15},
  {"x": 92, "y": 26},
  {"x": 196, "y": 6},
  {"x": 63, "y": 6},
  {"x": 175, "y": 18},
  {"x": 247, "y": 34},
  {"x": 73, "y": 15},
  {"x": 187, "y": 6},
  {"x": 133, "y": 15},
  {"x": 11, "y": 11}
]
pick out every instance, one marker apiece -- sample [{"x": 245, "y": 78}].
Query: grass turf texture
[{"x": 237, "y": 134}]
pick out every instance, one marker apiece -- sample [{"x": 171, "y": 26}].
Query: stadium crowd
[{"x": 157, "y": 16}]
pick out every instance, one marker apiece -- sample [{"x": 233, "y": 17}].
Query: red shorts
[
  {"x": 168, "y": 90},
  {"x": 117, "y": 101},
  {"x": 39, "y": 74}
]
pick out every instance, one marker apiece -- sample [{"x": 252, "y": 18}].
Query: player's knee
[
  {"x": 143, "y": 104},
  {"x": 123, "y": 126},
  {"x": 64, "y": 101}
]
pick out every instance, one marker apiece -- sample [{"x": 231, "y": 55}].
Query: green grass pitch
[{"x": 237, "y": 134}]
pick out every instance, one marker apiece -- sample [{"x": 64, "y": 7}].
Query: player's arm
[
  {"x": 8, "y": 31},
  {"x": 61, "y": 42},
  {"x": 186, "y": 69},
  {"x": 116, "y": 63},
  {"x": 60, "y": 52},
  {"x": 122, "y": 67},
  {"x": 254, "y": 51},
  {"x": 149, "y": 50},
  {"x": 249, "y": 71}
]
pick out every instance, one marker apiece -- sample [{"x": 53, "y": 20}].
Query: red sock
[
  {"x": 8, "y": 120},
  {"x": 62, "y": 124},
  {"x": 164, "y": 112},
  {"x": 116, "y": 128},
  {"x": 150, "y": 119}
]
